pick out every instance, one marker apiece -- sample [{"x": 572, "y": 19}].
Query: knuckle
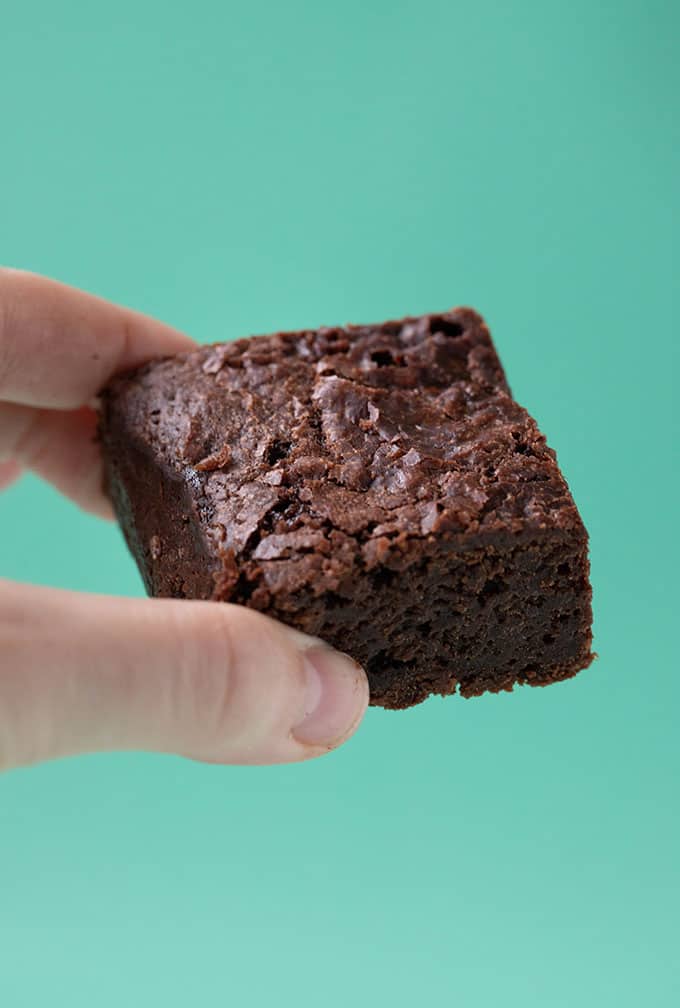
[
  {"x": 6, "y": 354},
  {"x": 206, "y": 684},
  {"x": 15, "y": 287},
  {"x": 13, "y": 637},
  {"x": 240, "y": 686}
]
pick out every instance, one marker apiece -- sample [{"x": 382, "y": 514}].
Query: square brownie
[{"x": 376, "y": 486}]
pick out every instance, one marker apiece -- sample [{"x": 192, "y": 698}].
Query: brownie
[{"x": 376, "y": 486}]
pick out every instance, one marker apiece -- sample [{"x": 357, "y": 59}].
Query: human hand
[{"x": 84, "y": 673}]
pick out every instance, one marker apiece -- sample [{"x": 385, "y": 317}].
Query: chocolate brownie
[{"x": 376, "y": 486}]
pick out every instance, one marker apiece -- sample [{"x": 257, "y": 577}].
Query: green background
[{"x": 236, "y": 168}]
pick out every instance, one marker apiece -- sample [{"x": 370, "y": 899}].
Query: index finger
[{"x": 59, "y": 346}]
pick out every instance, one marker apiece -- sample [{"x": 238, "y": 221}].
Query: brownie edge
[{"x": 376, "y": 486}]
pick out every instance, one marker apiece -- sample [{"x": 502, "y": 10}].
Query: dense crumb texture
[{"x": 376, "y": 486}]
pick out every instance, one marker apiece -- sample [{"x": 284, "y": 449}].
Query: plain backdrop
[{"x": 236, "y": 168}]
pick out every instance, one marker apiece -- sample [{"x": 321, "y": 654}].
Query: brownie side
[{"x": 374, "y": 485}]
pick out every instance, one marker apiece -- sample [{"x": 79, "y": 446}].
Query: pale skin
[{"x": 84, "y": 673}]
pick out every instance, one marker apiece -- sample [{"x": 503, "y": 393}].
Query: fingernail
[{"x": 336, "y": 696}]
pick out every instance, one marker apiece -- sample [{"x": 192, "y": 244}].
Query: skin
[{"x": 84, "y": 673}]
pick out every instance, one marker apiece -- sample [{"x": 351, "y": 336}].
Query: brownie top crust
[{"x": 405, "y": 429}]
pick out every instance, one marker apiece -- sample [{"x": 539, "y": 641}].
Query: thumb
[{"x": 215, "y": 682}]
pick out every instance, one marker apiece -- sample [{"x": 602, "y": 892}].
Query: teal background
[{"x": 236, "y": 168}]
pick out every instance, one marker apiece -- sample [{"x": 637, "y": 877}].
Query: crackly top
[{"x": 381, "y": 432}]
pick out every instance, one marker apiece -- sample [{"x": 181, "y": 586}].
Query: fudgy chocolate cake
[{"x": 376, "y": 486}]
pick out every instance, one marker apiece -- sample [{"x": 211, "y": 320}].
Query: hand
[{"x": 81, "y": 673}]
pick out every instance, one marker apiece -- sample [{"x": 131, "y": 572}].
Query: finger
[
  {"x": 58, "y": 445},
  {"x": 59, "y": 346},
  {"x": 211, "y": 681},
  {"x": 10, "y": 471}
]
